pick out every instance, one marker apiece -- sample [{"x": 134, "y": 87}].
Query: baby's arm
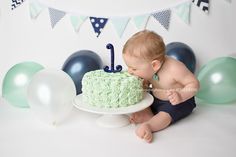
[{"x": 185, "y": 77}]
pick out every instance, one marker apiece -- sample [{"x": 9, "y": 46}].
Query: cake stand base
[
  {"x": 113, "y": 121},
  {"x": 113, "y": 117}
]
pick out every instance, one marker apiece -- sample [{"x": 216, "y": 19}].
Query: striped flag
[{"x": 55, "y": 16}]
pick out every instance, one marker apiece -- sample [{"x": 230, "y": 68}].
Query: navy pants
[{"x": 176, "y": 112}]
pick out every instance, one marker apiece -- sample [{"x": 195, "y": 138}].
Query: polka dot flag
[{"x": 98, "y": 24}]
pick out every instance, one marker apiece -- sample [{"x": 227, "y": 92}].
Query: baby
[{"x": 173, "y": 85}]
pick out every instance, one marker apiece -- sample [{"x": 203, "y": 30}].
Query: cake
[{"x": 111, "y": 90}]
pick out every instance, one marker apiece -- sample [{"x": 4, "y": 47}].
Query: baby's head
[{"x": 144, "y": 53}]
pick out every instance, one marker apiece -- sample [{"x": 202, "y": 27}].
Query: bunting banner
[
  {"x": 141, "y": 21},
  {"x": 119, "y": 24},
  {"x": 16, "y": 3},
  {"x": 98, "y": 24},
  {"x": 77, "y": 21},
  {"x": 182, "y": 10},
  {"x": 55, "y": 16},
  {"x": 35, "y": 9},
  {"x": 163, "y": 17},
  {"x": 203, "y": 4}
]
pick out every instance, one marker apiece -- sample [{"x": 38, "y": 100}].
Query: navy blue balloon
[
  {"x": 183, "y": 53},
  {"x": 79, "y": 63}
]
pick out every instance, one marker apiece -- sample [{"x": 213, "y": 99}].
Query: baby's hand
[{"x": 174, "y": 97}]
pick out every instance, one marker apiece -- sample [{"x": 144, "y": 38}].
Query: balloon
[
  {"x": 50, "y": 95},
  {"x": 233, "y": 55},
  {"x": 79, "y": 63},
  {"x": 218, "y": 81},
  {"x": 16, "y": 81},
  {"x": 183, "y": 53}
]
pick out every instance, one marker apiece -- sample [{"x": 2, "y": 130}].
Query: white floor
[{"x": 210, "y": 131}]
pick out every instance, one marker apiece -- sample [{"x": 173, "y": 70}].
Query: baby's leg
[
  {"x": 156, "y": 123},
  {"x": 141, "y": 116}
]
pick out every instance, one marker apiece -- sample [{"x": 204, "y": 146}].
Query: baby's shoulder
[{"x": 173, "y": 64}]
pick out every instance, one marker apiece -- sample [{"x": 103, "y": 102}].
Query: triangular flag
[
  {"x": 163, "y": 17},
  {"x": 98, "y": 24},
  {"x": 183, "y": 11},
  {"x": 141, "y": 21},
  {"x": 77, "y": 21},
  {"x": 120, "y": 24},
  {"x": 16, "y": 3},
  {"x": 35, "y": 9},
  {"x": 55, "y": 16},
  {"x": 203, "y": 4}
]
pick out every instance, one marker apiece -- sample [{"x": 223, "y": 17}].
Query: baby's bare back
[{"x": 172, "y": 75}]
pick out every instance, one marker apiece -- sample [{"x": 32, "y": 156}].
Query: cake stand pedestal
[{"x": 113, "y": 117}]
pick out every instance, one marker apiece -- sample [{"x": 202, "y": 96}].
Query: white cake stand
[{"x": 113, "y": 117}]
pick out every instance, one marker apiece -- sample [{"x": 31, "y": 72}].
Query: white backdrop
[
  {"x": 209, "y": 131},
  {"x": 22, "y": 39}
]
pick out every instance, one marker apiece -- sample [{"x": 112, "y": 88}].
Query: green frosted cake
[{"x": 111, "y": 90}]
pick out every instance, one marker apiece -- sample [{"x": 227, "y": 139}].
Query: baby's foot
[
  {"x": 141, "y": 116},
  {"x": 144, "y": 132}
]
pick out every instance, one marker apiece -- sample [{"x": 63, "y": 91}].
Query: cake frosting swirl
[{"x": 111, "y": 90}]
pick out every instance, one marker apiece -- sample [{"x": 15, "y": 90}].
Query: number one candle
[{"x": 118, "y": 67}]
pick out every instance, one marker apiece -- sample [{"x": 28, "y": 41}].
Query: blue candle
[{"x": 118, "y": 67}]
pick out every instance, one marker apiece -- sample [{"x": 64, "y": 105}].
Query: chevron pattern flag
[
  {"x": 16, "y": 3},
  {"x": 55, "y": 16},
  {"x": 163, "y": 17},
  {"x": 98, "y": 24},
  {"x": 203, "y": 4}
]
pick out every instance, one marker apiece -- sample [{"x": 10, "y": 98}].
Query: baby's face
[{"x": 139, "y": 66}]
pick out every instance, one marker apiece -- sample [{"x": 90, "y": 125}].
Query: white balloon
[{"x": 50, "y": 94}]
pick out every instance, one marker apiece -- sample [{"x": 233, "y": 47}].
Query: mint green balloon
[
  {"x": 218, "y": 81},
  {"x": 15, "y": 82}
]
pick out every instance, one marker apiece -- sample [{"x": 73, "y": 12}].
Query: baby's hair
[{"x": 146, "y": 44}]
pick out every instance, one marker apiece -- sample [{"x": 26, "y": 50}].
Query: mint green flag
[
  {"x": 183, "y": 11},
  {"x": 77, "y": 21},
  {"x": 141, "y": 21},
  {"x": 120, "y": 24},
  {"x": 35, "y": 9}
]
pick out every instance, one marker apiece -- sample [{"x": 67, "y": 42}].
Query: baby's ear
[{"x": 156, "y": 64}]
